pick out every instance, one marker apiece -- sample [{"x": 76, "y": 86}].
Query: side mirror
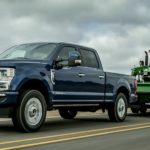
[
  {"x": 58, "y": 64},
  {"x": 74, "y": 59}
]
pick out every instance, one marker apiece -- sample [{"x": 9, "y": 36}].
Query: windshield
[{"x": 29, "y": 51}]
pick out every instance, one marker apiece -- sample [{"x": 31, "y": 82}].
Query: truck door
[
  {"x": 93, "y": 77},
  {"x": 66, "y": 80}
]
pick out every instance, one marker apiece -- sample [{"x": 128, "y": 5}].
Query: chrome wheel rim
[
  {"x": 33, "y": 111},
  {"x": 121, "y": 108}
]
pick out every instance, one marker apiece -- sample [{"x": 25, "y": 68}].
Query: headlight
[{"x": 6, "y": 75}]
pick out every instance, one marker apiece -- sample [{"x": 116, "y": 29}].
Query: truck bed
[{"x": 113, "y": 79}]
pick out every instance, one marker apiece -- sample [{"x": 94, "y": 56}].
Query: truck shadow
[
  {"x": 55, "y": 125},
  {"x": 61, "y": 125},
  {"x": 7, "y": 127},
  {"x": 147, "y": 114},
  {"x": 79, "y": 124},
  {"x": 75, "y": 123}
]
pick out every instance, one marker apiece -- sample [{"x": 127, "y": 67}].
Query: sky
[{"x": 118, "y": 29}]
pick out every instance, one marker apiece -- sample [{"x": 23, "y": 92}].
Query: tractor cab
[{"x": 142, "y": 72}]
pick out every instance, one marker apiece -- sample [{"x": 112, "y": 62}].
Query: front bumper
[
  {"x": 8, "y": 98},
  {"x": 7, "y": 102}
]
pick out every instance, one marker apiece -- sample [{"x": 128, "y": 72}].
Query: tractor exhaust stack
[{"x": 146, "y": 58}]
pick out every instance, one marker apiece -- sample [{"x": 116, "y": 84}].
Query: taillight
[{"x": 135, "y": 86}]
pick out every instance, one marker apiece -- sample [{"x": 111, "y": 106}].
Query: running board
[{"x": 75, "y": 105}]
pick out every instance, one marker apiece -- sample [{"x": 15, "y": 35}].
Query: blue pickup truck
[{"x": 37, "y": 77}]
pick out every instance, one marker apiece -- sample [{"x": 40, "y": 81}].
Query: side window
[
  {"x": 89, "y": 58},
  {"x": 64, "y": 54}
]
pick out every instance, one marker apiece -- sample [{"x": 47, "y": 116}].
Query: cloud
[
  {"x": 120, "y": 52},
  {"x": 119, "y": 30}
]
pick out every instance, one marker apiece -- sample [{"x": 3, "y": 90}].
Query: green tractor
[{"x": 142, "y": 74}]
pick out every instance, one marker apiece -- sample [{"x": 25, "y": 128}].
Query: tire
[
  {"x": 143, "y": 110},
  {"x": 30, "y": 112},
  {"x": 67, "y": 114},
  {"x": 118, "y": 111},
  {"x": 135, "y": 110}
]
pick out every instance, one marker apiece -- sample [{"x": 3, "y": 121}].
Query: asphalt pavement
[{"x": 87, "y": 131}]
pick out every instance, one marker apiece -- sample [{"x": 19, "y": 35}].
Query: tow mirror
[{"x": 74, "y": 59}]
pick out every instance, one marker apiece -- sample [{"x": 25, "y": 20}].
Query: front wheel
[
  {"x": 118, "y": 111},
  {"x": 30, "y": 113}
]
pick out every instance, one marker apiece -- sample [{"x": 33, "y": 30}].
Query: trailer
[{"x": 142, "y": 74}]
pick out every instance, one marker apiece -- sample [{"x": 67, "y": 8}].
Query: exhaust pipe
[
  {"x": 146, "y": 58},
  {"x": 141, "y": 63}
]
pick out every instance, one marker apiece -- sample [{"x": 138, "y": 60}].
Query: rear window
[{"x": 89, "y": 58}]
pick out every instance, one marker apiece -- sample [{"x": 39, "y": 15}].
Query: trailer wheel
[
  {"x": 118, "y": 111},
  {"x": 30, "y": 113},
  {"x": 67, "y": 113}
]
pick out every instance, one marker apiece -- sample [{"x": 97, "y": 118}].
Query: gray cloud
[{"x": 119, "y": 30}]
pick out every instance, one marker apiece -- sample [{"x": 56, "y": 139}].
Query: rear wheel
[
  {"x": 118, "y": 111},
  {"x": 30, "y": 113},
  {"x": 67, "y": 113}
]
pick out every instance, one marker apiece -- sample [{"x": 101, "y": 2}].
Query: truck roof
[
  {"x": 59, "y": 43},
  {"x": 63, "y": 43}
]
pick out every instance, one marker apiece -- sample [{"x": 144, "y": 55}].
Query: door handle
[
  {"x": 81, "y": 74},
  {"x": 101, "y": 77}
]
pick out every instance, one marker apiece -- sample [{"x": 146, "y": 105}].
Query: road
[{"x": 87, "y": 131}]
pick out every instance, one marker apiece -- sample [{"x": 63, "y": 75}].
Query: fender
[
  {"x": 122, "y": 83},
  {"x": 25, "y": 80},
  {"x": 45, "y": 86}
]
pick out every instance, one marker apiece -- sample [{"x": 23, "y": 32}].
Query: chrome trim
[
  {"x": 81, "y": 93},
  {"x": 12, "y": 93},
  {"x": 77, "y": 93},
  {"x": 81, "y": 74},
  {"x": 31, "y": 62},
  {"x": 101, "y": 77},
  {"x": 108, "y": 100},
  {"x": 74, "y": 105},
  {"x": 53, "y": 76},
  {"x": 66, "y": 101},
  {"x": 109, "y": 94},
  {"x": 2, "y": 94}
]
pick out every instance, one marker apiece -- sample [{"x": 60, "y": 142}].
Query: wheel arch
[
  {"x": 125, "y": 91},
  {"x": 36, "y": 84}
]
